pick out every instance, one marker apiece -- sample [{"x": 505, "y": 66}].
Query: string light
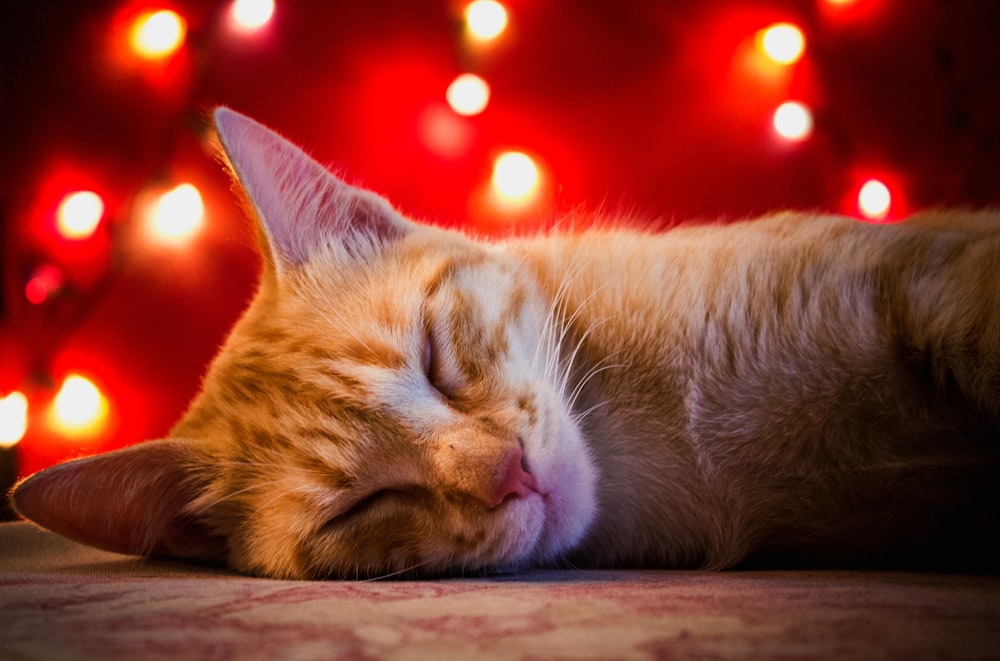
[
  {"x": 485, "y": 20},
  {"x": 468, "y": 94},
  {"x": 515, "y": 177},
  {"x": 177, "y": 215},
  {"x": 784, "y": 43},
  {"x": 793, "y": 121},
  {"x": 79, "y": 408},
  {"x": 79, "y": 214},
  {"x": 158, "y": 34},
  {"x": 874, "y": 200},
  {"x": 13, "y": 419},
  {"x": 252, "y": 14}
]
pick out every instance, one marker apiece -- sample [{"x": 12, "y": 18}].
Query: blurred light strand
[
  {"x": 874, "y": 200},
  {"x": 784, "y": 43},
  {"x": 468, "y": 94},
  {"x": 485, "y": 20},
  {"x": 793, "y": 121},
  {"x": 158, "y": 34},
  {"x": 177, "y": 215},
  {"x": 79, "y": 408},
  {"x": 251, "y": 15},
  {"x": 79, "y": 214},
  {"x": 515, "y": 177},
  {"x": 13, "y": 419}
]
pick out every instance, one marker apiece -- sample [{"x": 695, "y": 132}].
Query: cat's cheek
[
  {"x": 570, "y": 509},
  {"x": 568, "y": 479}
]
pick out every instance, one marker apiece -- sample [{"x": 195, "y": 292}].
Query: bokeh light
[
  {"x": 468, "y": 94},
  {"x": 793, "y": 121},
  {"x": 485, "y": 19},
  {"x": 79, "y": 408},
  {"x": 252, "y": 14},
  {"x": 784, "y": 43},
  {"x": 177, "y": 215},
  {"x": 874, "y": 200},
  {"x": 13, "y": 419},
  {"x": 79, "y": 214},
  {"x": 45, "y": 281},
  {"x": 157, "y": 34},
  {"x": 515, "y": 177},
  {"x": 445, "y": 133}
]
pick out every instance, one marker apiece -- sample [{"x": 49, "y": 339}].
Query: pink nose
[{"x": 513, "y": 479}]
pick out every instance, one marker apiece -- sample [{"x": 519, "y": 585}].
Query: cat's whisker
[
  {"x": 399, "y": 572},
  {"x": 280, "y": 463},
  {"x": 273, "y": 466},
  {"x": 594, "y": 371},
  {"x": 578, "y": 418},
  {"x": 567, "y": 324},
  {"x": 542, "y": 345},
  {"x": 555, "y": 317},
  {"x": 229, "y": 496},
  {"x": 570, "y": 364},
  {"x": 556, "y": 349}
]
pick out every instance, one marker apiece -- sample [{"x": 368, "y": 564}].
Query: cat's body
[
  {"x": 797, "y": 389},
  {"x": 783, "y": 390}
]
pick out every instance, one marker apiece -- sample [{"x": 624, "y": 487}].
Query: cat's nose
[{"x": 514, "y": 480}]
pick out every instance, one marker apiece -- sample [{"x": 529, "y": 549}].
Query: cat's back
[
  {"x": 778, "y": 274},
  {"x": 798, "y": 364}
]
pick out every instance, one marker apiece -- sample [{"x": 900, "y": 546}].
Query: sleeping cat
[{"x": 402, "y": 399}]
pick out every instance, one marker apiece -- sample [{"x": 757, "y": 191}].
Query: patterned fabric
[{"x": 62, "y": 600}]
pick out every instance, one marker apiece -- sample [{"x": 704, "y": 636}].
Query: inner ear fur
[{"x": 132, "y": 501}]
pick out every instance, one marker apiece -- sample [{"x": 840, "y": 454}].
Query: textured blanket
[{"x": 62, "y": 600}]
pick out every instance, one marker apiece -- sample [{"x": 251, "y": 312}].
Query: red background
[{"x": 655, "y": 108}]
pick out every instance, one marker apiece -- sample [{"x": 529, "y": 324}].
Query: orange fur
[{"x": 400, "y": 398}]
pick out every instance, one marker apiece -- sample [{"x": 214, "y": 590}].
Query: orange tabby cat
[{"x": 800, "y": 389}]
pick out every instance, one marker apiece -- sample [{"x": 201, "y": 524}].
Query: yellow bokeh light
[
  {"x": 468, "y": 94},
  {"x": 79, "y": 408},
  {"x": 252, "y": 14},
  {"x": 158, "y": 34},
  {"x": 485, "y": 19},
  {"x": 13, "y": 419},
  {"x": 177, "y": 215},
  {"x": 782, "y": 42},
  {"x": 874, "y": 200},
  {"x": 515, "y": 177},
  {"x": 79, "y": 214},
  {"x": 793, "y": 121}
]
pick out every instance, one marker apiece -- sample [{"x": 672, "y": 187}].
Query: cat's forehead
[
  {"x": 432, "y": 269},
  {"x": 485, "y": 293}
]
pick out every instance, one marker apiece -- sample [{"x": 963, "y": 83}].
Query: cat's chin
[{"x": 566, "y": 502}]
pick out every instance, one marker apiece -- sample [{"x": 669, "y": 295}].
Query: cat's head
[{"x": 394, "y": 400}]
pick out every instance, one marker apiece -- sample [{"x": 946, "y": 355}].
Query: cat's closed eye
[
  {"x": 367, "y": 503},
  {"x": 434, "y": 369},
  {"x": 380, "y": 503}
]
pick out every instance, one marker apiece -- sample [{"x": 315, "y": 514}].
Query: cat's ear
[
  {"x": 129, "y": 501},
  {"x": 301, "y": 205}
]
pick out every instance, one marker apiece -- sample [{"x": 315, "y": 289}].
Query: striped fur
[{"x": 403, "y": 399}]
